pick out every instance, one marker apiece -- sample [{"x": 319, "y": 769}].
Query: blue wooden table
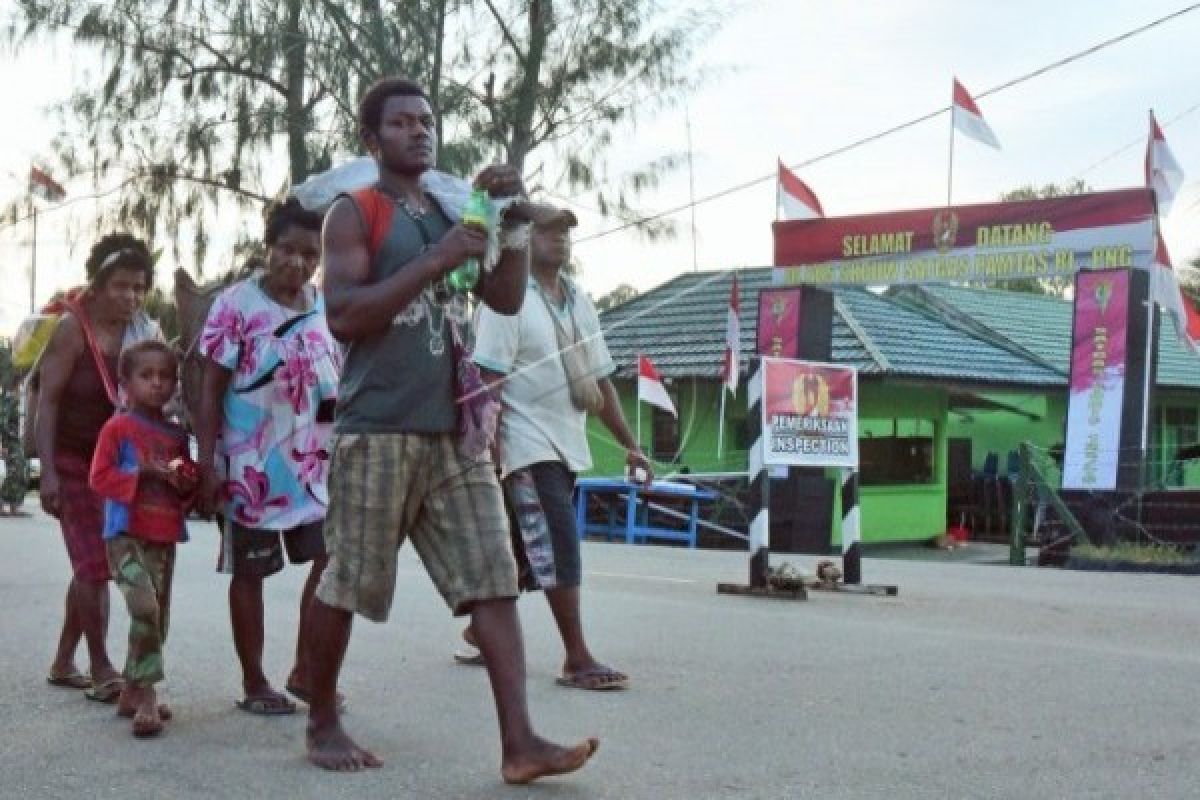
[{"x": 636, "y": 527}]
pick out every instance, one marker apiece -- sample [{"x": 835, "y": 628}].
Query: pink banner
[
  {"x": 1097, "y": 385},
  {"x": 779, "y": 322}
]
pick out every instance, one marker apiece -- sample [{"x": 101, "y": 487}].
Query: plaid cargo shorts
[{"x": 384, "y": 487}]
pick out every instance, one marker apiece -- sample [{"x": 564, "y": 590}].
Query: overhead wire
[{"x": 1042, "y": 70}]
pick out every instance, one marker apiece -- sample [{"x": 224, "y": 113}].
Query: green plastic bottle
[{"x": 465, "y": 276}]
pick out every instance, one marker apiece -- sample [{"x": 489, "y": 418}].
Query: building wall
[
  {"x": 1167, "y": 436},
  {"x": 1002, "y": 431}
]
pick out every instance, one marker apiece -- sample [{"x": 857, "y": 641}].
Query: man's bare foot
[
  {"x": 146, "y": 719},
  {"x": 329, "y": 747},
  {"x": 544, "y": 759},
  {"x": 127, "y": 705}
]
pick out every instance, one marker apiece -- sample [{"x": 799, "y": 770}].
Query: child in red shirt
[{"x": 141, "y": 469}]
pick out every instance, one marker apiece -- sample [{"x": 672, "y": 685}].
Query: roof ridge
[
  {"x": 861, "y": 334},
  {"x": 955, "y": 318},
  {"x": 1008, "y": 292}
]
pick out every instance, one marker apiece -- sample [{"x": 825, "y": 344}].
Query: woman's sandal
[
  {"x": 70, "y": 680},
  {"x": 106, "y": 692}
]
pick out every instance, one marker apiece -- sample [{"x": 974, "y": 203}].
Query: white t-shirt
[{"x": 539, "y": 422}]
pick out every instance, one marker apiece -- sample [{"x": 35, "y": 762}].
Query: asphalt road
[{"x": 976, "y": 682}]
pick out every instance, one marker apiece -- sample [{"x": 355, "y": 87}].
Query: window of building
[
  {"x": 1180, "y": 429},
  {"x": 665, "y": 442},
  {"x": 898, "y": 451}
]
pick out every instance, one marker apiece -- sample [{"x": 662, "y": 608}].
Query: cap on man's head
[{"x": 545, "y": 215}]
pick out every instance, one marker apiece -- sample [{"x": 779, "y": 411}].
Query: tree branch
[{"x": 508, "y": 37}]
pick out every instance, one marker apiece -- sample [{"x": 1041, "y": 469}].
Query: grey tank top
[{"x": 402, "y": 380}]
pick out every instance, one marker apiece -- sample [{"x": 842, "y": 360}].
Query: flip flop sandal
[
  {"x": 106, "y": 692},
  {"x": 267, "y": 706},
  {"x": 469, "y": 656},
  {"x": 72, "y": 680},
  {"x": 303, "y": 696},
  {"x": 597, "y": 680}
]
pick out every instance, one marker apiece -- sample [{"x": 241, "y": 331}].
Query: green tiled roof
[
  {"x": 1042, "y": 325},
  {"x": 680, "y": 325}
]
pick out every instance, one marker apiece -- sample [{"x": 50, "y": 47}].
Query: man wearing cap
[{"x": 551, "y": 367}]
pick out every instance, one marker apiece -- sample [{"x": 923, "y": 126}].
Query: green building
[{"x": 947, "y": 376}]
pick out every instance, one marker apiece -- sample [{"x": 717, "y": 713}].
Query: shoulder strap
[
  {"x": 110, "y": 386},
  {"x": 574, "y": 335},
  {"x": 376, "y": 210}
]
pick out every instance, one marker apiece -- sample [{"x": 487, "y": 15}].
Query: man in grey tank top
[{"x": 398, "y": 471}]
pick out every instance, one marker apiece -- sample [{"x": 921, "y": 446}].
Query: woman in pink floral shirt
[{"x": 270, "y": 386}]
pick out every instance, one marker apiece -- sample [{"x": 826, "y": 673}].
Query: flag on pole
[
  {"x": 1163, "y": 173},
  {"x": 969, "y": 119},
  {"x": 1169, "y": 294},
  {"x": 733, "y": 341},
  {"x": 651, "y": 389},
  {"x": 793, "y": 196},
  {"x": 45, "y": 187}
]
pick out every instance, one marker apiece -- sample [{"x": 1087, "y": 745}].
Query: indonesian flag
[
  {"x": 1163, "y": 173},
  {"x": 1169, "y": 295},
  {"x": 651, "y": 389},
  {"x": 733, "y": 341},
  {"x": 793, "y": 196},
  {"x": 969, "y": 119},
  {"x": 45, "y": 187}
]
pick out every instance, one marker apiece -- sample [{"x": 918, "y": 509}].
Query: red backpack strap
[{"x": 376, "y": 209}]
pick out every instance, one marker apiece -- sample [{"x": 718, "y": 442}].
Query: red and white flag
[
  {"x": 651, "y": 389},
  {"x": 45, "y": 187},
  {"x": 1163, "y": 173},
  {"x": 733, "y": 341},
  {"x": 1169, "y": 295},
  {"x": 969, "y": 119},
  {"x": 793, "y": 197}
]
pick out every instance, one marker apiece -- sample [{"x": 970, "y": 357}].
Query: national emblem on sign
[{"x": 945, "y": 230}]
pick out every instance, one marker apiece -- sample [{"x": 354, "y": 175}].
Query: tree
[
  {"x": 622, "y": 294},
  {"x": 1056, "y": 287},
  {"x": 1189, "y": 281},
  {"x": 197, "y": 98}
]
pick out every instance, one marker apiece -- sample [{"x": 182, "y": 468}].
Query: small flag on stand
[
  {"x": 794, "y": 199},
  {"x": 651, "y": 389},
  {"x": 45, "y": 187},
  {"x": 733, "y": 341},
  {"x": 1163, "y": 173},
  {"x": 968, "y": 119}
]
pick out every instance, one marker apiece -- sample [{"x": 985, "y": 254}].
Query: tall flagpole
[
  {"x": 950, "y": 167},
  {"x": 638, "y": 400},
  {"x": 721, "y": 424},
  {"x": 33, "y": 260},
  {"x": 687, "y": 118}
]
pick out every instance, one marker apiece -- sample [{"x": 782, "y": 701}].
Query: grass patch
[{"x": 1135, "y": 554}]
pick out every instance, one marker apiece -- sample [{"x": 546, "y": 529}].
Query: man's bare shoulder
[{"x": 344, "y": 221}]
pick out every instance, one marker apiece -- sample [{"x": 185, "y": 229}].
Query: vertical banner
[
  {"x": 810, "y": 414},
  {"x": 779, "y": 322},
  {"x": 1097, "y": 385}
]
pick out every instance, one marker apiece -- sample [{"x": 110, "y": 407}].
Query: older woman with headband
[{"x": 77, "y": 394}]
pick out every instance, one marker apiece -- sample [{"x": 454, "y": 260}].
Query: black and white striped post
[
  {"x": 851, "y": 528},
  {"x": 759, "y": 476}
]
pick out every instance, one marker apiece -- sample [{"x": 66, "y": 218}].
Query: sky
[{"x": 794, "y": 79}]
